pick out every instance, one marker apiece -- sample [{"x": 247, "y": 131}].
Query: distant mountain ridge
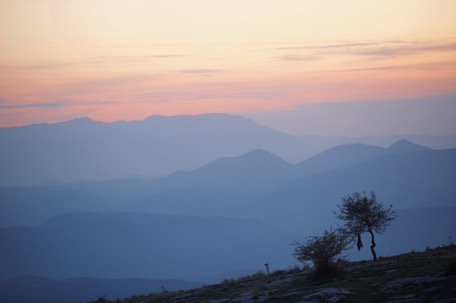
[
  {"x": 84, "y": 149},
  {"x": 226, "y": 217},
  {"x": 237, "y": 203},
  {"x": 349, "y": 154},
  {"x": 232, "y": 185},
  {"x": 254, "y": 171},
  {"x": 340, "y": 156},
  {"x": 87, "y": 150},
  {"x": 406, "y": 180},
  {"x": 405, "y": 146}
]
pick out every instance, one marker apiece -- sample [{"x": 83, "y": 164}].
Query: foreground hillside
[{"x": 428, "y": 276}]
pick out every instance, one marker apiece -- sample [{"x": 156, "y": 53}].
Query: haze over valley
[
  {"x": 224, "y": 218},
  {"x": 156, "y": 146}
]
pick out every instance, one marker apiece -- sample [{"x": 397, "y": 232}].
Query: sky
[{"x": 282, "y": 63}]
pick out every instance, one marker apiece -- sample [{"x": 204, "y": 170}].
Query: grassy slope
[{"x": 415, "y": 276}]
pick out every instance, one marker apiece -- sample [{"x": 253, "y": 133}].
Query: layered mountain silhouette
[
  {"x": 405, "y": 146},
  {"x": 406, "y": 174},
  {"x": 230, "y": 214},
  {"x": 87, "y": 150},
  {"x": 406, "y": 180},
  {"x": 253, "y": 172},
  {"x": 84, "y": 149},
  {"x": 340, "y": 156}
]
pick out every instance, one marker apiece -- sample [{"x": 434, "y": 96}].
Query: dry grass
[{"x": 419, "y": 275}]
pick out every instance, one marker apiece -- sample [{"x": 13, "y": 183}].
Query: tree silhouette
[
  {"x": 322, "y": 250},
  {"x": 364, "y": 214}
]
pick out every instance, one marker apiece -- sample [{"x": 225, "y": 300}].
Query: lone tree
[
  {"x": 321, "y": 250},
  {"x": 364, "y": 214}
]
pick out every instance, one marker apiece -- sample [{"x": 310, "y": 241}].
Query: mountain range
[
  {"x": 240, "y": 208},
  {"x": 257, "y": 186},
  {"x": 88, "y": 150},
  {"x": 84, "y": 149},
  {"x": 406, "y": 174}
]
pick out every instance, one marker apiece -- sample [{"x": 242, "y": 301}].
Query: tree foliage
[
  {"x": 365, "y": 214},
  {"x": 321, "y": 250}
]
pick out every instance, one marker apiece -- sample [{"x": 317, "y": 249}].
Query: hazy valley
[{"x": 201, "y": 198}]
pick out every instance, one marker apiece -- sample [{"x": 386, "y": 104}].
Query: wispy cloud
[
  {"x": 137, "y": 57},
  {"x": 327, "y": 46},
  {"x": 295, "y": 57},
  {"x": 36, "y": 67},
  {"x": 422, "y": 66},
  {"x": 51, "y": 105},
  {"x": 393, "y": 50},
  {"x": 201, "y": 71},
  {"x": 109, "y": 83},
  {"x": 168, "y": 56},
  {"x": 35, "y": 105},
  {"x": 92, "y": 62},
  {"x": 316, "y": 47},
  {"x": 380, "y": 49}
]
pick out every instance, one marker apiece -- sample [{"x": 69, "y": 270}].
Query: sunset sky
[{"x": 126, "y": 60}]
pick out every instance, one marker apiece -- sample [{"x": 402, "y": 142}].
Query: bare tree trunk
[{"x": 372, "y": 247}]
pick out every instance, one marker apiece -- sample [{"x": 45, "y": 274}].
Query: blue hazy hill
[
  {"x": 339, "y": 156},
  {"x": 35, "y": 205},
  {"x": 253, "y": 172},
  {"x": 148, "y": 246},
  {"x": 405, "y": 146},
  {"x": 406, "y": 180},
  {"x": 87, "y": 150},
  {"x": 84, "y": 149},
  {"x": 190, "y": 243},
  {"x": 233, "y": 185}
]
